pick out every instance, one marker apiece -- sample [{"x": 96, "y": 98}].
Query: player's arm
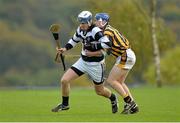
[
  {"x": 101, "y": 46},
  {"x": 103, "y": 41}
]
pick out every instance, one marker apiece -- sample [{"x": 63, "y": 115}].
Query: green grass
[{"x": 34, "y": 105}]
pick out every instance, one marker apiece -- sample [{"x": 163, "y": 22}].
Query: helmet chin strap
[
  {"x": 101, "y": 22},
  {"x": 89, "y": 23}
]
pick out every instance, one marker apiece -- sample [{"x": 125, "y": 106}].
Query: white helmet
[{"x": 85, "y": 17}]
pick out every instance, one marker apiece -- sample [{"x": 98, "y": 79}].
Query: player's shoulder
[
  {"x": 109, "y": 28},
  {"x": 95, "y": 29}
]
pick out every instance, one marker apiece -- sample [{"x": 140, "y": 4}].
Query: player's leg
[
  {"x": 103, "y": 91},
  {"x": 135, "y": 108},
  {"x": 125, "y": 87},
  {"x": 113, "y": 79},
  {"x": 96, "y": 72},
  {"x": 128, "y": 64},
  {"x": 130, "y": 105},
  {"x": 65, "y": 81},
  {"x": 65, "y": 87},
  {"x": 116, "y": 79},
  {"x": 70, "y": 74}
]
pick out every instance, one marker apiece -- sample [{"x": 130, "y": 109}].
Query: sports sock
[
  {"x": 112, "y": 97},
  {"x": 127, "y": 99},
  {"x": 65, "y": 100}
]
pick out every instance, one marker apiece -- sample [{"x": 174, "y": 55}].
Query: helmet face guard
[
  {"x": 103, "y": 16},
  {"x": 84, "y": 20},
  {"x": 85, "y": 17}
]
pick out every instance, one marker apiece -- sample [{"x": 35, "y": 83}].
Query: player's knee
[
  {"x": 99, "y": 92},
  {"x": 64, "y": 81},
  {"x": 109, "y": 80}
]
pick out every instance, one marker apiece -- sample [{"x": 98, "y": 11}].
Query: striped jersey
[
  {"x": 119, "y": 43},
  {"x": 92, "y": 35}
]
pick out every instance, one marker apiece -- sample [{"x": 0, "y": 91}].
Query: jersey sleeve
[
  {"x": 97, "y": 33},
  {"x": 103, "y": 41},
  {"x": 74, "y": 40},
  {"x": 77, "y": 37}
]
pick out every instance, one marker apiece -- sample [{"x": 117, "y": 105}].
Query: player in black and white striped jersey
[{"x": 89, "y": 62}]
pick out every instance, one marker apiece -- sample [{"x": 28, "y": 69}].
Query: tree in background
[
  {"x": 170, "y": 67},
  {"x": 155, "y": 44}
]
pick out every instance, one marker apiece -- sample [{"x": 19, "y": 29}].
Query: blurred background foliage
[{"x": 27, "y": 48}]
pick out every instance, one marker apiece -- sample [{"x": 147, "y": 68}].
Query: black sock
[
  {"x": 127, "y": 99},
  {"x": 112, "y": 97},
  {"x": 65, "y": 100}
]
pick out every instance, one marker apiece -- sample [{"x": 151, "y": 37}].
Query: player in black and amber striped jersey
[
  {"x": 120, "y": 44},
  {"x": 125, "y": 60}
]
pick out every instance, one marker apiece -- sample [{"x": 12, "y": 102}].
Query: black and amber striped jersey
[{"x": 119, "y": 43}]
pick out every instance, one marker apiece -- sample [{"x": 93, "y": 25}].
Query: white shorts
[
  {"x": 94, "y": 69},
  {"x": 126, "y": 60}
]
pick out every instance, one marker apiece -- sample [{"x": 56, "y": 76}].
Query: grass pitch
[{"x": 156, "y": 104}]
